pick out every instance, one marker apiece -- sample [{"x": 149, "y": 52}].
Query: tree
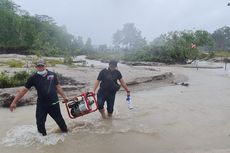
[
  {"x": 180, "y": 46},
  {"x": 9, "y": 6},
  {"x": 102, "y": 47},
  {"x": 222, "y": 39},
  {"x": 128, "y": 38},
  {"x": 20, "y": 32},
  {"x": 159, "y": 41},
  {"x": 88, "y": 46},
  {"x": 8, "y": 22},
  {"x": 80, "y": 42}
]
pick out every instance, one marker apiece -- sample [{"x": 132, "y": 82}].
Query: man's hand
[
  {"x": 94, "y": 92},
  {"x": 65, "y": 100},
  {"x": 12, "y": 106},
  {"x": 19, "y": 95}
]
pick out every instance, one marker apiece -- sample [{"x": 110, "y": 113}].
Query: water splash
[
  {"x": 27, "y": 135},
  {"x": 93, "y": 127}
]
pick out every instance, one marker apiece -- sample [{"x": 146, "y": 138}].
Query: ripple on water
[
  {"x": 112, "y": 126},
  {"x": 27, "y": 135}
]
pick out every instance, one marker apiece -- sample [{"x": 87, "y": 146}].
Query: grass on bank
[
  {"x": 15, "y": 80},
  {"x": 20, "y": 63},
  {"x": 144, "y": 56},
  {"x": 13, "y": 63},
  {"x": 106, "y": 55},
  {"x": 222, "y": 54}
]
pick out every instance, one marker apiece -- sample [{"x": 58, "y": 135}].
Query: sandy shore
[{"x": 86, "y": 76}]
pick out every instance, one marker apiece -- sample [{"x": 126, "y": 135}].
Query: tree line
[
  {"x": 39, "y": 34},
  {"x": 171, "y": 47}
]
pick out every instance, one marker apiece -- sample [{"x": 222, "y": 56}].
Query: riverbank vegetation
[
  {"x": 17, "y": 79},
  {"x": 29, "y": 62},
  {"x": 39, "y": 34}
]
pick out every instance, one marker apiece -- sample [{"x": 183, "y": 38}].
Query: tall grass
[
  {"x": 107, "y": 55},
  {"x": 13, "y": 63},
  {"x": 222, "y": 54},
  {"x": 15, "y": 80}
]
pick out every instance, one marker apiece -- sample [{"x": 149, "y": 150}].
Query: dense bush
[
  {"x": 106, "y": 55},
  {"x": 53, "y": 62},
  {"x": 68, "y": 60},
  {"x": 23, "y": 33},
  {"x": 16, "y": 63},
  {"x": 19, "y": 79},
  {"x": 15, "y": 80}
]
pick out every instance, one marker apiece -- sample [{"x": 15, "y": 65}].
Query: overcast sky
[{"x": 99, "y": 19}]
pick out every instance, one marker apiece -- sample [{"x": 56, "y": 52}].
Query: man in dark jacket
[
  {"x": 107, "y": 79},
  {"x": 47, "y": 87}
]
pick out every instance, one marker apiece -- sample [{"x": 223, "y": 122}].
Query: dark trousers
[
  {"x": 55, "y": 112},
  {"x": 108, "y": 97}
]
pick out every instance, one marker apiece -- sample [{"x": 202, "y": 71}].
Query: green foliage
[
  {"x": 68, "y": 60},
  {"x": 53, "y": 62},
  {"x": 38, "y": 34},
  {"x": 8, "y": 22},
  {"x": 202, "y": 55},
  {"x": 12, "y": 63},
  {"x": 203, "y": 38},
  {"x": 172, "y": 47},
  {"x": 211, "y": 55},
  {"x": 106, "y": 55},
  {"x": 177, "y": 45},
  {"x": 18, "y": 79},
  {"x": 16, "y": 63},
  {"x": 88, "y": 47},
  {"x": 21, "y": 77},
  {"x": 4, "y": 81},
  {"x": 222, "y": 54},
  {"x": 222, "y": 39}
]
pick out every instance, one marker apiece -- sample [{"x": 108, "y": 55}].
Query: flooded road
[{"x": 165, "y": 119}]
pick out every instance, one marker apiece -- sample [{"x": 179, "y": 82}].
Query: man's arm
[
  {"x": 124, "y": 85},
  {"x": 61, "y": 92},
  {"x": 19, "y": 95},
  {"x": 95, "y": 86}
]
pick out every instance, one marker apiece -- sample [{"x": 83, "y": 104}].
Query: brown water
[{"x": 165, "y": 119}]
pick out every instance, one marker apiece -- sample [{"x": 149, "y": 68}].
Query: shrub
[
  {"x": 16, "y": 63},
  {"x": 54, "y": 62},
  {"x": 4, "y": 80},
  {"x": 68, "y": 60},
  {"x": 18, "y": 79}
]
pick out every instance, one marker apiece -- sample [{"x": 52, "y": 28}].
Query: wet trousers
[
  {"x": 108, "y": 97},
  {"x": 55, "y": 112}
]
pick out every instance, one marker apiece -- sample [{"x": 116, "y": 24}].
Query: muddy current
[{"x": 167, "y": 118}]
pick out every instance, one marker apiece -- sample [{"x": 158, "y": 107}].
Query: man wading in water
[
  {"x": 108, "y": 88},
  {"x": 47, "y": 87}
]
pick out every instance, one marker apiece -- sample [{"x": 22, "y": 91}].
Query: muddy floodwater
[{"x": 165, "y": 119}]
